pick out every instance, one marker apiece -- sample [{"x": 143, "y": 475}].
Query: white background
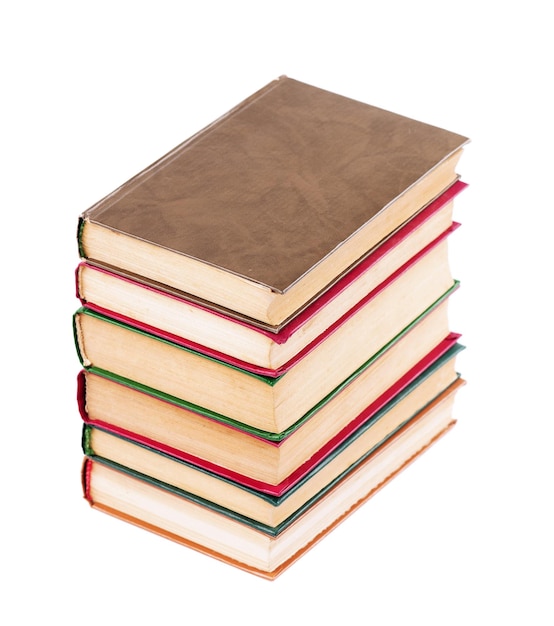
[{"x": 94, "y": 92}]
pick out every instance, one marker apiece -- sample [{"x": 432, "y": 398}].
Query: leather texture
[{"x": 278, "y": 183}]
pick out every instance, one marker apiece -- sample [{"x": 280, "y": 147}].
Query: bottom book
[{"x": 199, "y": 527}]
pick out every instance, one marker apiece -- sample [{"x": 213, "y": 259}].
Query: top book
[{"x": 264, "y": 209}]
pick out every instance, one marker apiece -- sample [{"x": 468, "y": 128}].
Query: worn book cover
[{"x": 263, "y": 209}]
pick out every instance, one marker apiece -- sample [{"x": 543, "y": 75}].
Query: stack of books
[{"x": 264, "y": 328}]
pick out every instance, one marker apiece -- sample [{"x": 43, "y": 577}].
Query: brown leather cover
[{"x": 279, "y": 182}]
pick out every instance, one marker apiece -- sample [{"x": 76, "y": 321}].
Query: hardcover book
[
  {"x": 198, "y": 525},
  {"x": 264, "y": 209}
]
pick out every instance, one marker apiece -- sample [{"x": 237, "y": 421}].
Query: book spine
[
  {"x": 86, "y": 469},
  {"x": 86, "y": 441},
  {"x": 81, "y": 395},
  {"x": 80, "y": 228},
  {"x": 78, "y": 338}
]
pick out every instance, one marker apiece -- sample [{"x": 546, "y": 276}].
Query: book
[
  {"x": 246, "y": 344},
  {"x": 266, "y": 461},
  {"x": 270, "y": 404},
  {"x": 269, "y": 205},
  {"x": 371, "y": 429},
  {"x": 244, "y": 545}
]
